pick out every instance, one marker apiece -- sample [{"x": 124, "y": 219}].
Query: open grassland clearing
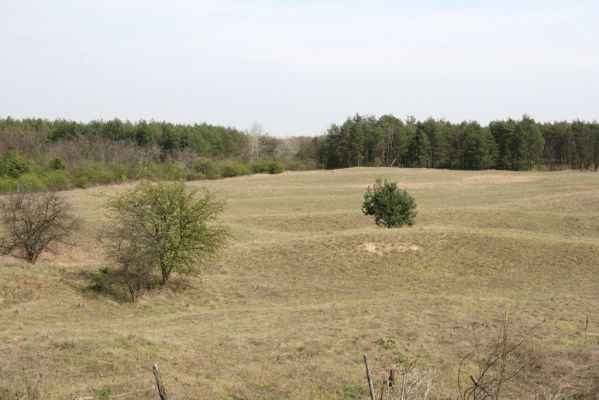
[{"x": 307, "y": 285}]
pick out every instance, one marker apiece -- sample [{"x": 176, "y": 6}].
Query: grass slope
[{"x": 308, "y": 285}]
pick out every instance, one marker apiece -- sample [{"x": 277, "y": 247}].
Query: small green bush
[
  {"x": 58, "y": 180},
  {"x": 30, "y": 181},
  {"x": 81, "y": 181},
  {"x": 120, "y": 172},
  {"x": 259, "y": 168},
  {"x": 56, "y": 164},
  {"x": 13, "y": 164},
  {"x": 97, "y": 173},
  {"x": 267, "y": 167},
  {"x": 391, "y": 207},
  {"x": 275, "y": 167},
  {"x": 233, "y": 168},
  {"x": 8, "y": 185},
  {"x": 207, "y": 168},
  {"x": 175, "y": 170}
]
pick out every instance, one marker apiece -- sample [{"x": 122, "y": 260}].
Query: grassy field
[{"x": 307, "y": 285}]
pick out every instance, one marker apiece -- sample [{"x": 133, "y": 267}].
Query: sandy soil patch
[{"x": 384, "y": 248}]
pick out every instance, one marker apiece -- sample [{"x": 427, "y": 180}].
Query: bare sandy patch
[{"x": 385, "y": 248}]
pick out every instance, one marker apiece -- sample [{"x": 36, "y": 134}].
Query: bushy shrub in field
[
  {"x": 163, "y": 227},
  {"x": 275, "y": 167},
  {"x": 175, "y": 170},
  {"x": 267, "y": 167},
  {"x": 207, "y": 168},
  {"x": 57, "y": 180},
  {"x": 30, "y": 181},
  {"x": 8, "y": 185},
  {"x": 391, "y": 207},
  {"x": 96, "y": 173},
  {"x": 120, "y": 172},
  {"x": 229, "y": 169},
  {"x": 13, "y": 164},
  {"x": 260, "y": 167},
  {"x": 81, "y": 181},
  {"x": 56, "y": 164}
]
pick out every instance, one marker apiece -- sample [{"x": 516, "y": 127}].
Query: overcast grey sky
[{"x": 297, "y": 66}]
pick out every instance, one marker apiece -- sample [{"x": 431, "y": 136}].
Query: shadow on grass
[{"x": 109, "y": 283}]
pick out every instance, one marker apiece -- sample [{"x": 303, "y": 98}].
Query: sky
[{"x": 298, "y": 66}]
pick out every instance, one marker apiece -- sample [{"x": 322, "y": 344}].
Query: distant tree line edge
[{"x": 61, "y": 154}]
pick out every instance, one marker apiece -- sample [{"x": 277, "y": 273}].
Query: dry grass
[{"x": 308, "y": 285}]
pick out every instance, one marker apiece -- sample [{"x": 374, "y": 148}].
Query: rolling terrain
[{"x": 307, "y": 284}]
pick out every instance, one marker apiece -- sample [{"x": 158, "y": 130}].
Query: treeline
[
  {"x": 504, "y": 144},
  {"x": 60, "y": 154}
]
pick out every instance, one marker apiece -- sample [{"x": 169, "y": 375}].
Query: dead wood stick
[
  {"x": 159, "y": 385},
  {"x": 370, "y": 384},
  {"x": 385, "y": 386}
]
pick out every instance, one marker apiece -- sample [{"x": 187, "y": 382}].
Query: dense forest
[
  {"x": 61, "y": 154},
  {"x": 505, "y": 144}
]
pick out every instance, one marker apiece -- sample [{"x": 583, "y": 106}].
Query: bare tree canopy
[{"x": 34, "y": 223}]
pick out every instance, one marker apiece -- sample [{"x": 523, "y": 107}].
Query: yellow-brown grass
[{"x": 307, "y": 285}]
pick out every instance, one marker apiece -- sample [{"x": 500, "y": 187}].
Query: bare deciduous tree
[
  {"x": 254, "y": 145},
  {"x": 34, "y": 223}
]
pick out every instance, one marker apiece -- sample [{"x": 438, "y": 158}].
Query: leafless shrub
[
  {"x": 414, "y": 383},
  {"x": 21, "y": 141},
  {"x": 492, "y": 364},
  {"x": 81, "y": 151},
  {"x": 34, "y": 223}
]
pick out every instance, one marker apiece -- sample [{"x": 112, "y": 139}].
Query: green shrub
[
  {"x": 102, "y": 394},
  {"x": 120, "y": 172},
  {"x": 13, "y": 164},
  {"x": 58, "y": 180},
  {"x": 391, "y": 207},
  {"x": 96, "y": 173},
  {"x": 30, "y": 181},
  {"x": 207, "y": 168},
  {"x": 275, "y": 167},
  {"x": 56, "y": 164},
  {"x": 267, "y": 167},
  {"x": 81, "y": 181},
  {"x": 183, "y": 232},
  {"x": 260, "y": 167},
  {"x": 175, "y": 170},
  {"x": 233, "y": 168},
  {"x": 8, "y": 185}
]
